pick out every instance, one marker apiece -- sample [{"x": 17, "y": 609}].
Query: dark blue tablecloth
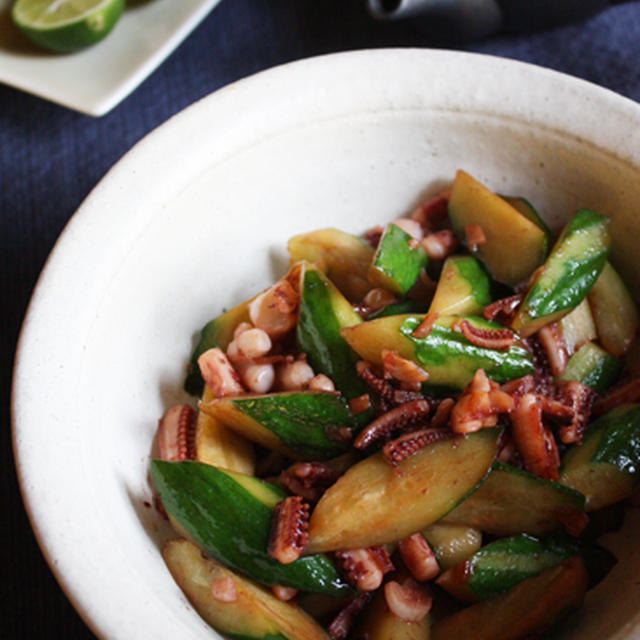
[{"x": 50, "y": 158}]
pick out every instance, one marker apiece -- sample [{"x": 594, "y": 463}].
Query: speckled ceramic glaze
[{"x": 196, "y": 217}]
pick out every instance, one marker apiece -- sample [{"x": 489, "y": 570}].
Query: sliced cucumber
[
  {"x": 614, "y": 311},
  {"x": 323, "y": 312},
  {"x": 514, "y": 246},
  {"x": 229, "y": 516},
  {"x": 374, "y": 504},
  {"x": 594, "y": 367},
  {"x": 343, "y": 257},
  {"x": 577, "y": 327},
  {"x": 219, "y": 446},
  {"x": 396, "y": 263},
  {"x": 504, "y": 563},
  {"x": 524, "y": 207},
  {"x": 524, "y": 611},
  {"x": 301, "y": 424},
  {"x": 512, "y": 501},
  {"x": 463, "y": 288},
  {"x": 606, "y": 466},
  {"x": 216, "y": 333},
  {"x": 255, "y": 614},
  {"x": 398, "y": 308},
  {"x": 452, "y": 543},
  {"x": 568, "y": 274},
  {"x": 449, "y": 358}
]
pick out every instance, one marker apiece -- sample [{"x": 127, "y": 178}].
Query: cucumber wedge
[
  {"x": 398, "y": 308},
  {"x": 323, "y": 312},
  {"x": 525, "y": 611},
  {"x": 614, "y": 311},
  {"x": 578, "y": 327},
  {"x": 504, "y": 563},
  {"x": 229, "y": 516},
  {"x": 396, "y": 263},
  {"x": 511, "y": 501},
  {"x": 343, "y": 257},
  {"x": 514, "y": 246},
  {"x": 594, "y": 367},
  {"x": 524, "y": 207},
  {"x": 219, "y": 446},
  {"x": 255, "y": 614},
  {"x": 568, "y": 274},
  {"x": 452, "y": 543},
  {"x": 463, "y": 288},
  {"x": 449, "y": 358},
  {"x": 216, "y": 333},
  {"x": 306, "y": 425},
  {"x": 374, "y": 504},
  {"x": 606, "y": 466}
]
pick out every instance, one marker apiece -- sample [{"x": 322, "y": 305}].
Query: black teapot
[{"x": 471, "y": 19}]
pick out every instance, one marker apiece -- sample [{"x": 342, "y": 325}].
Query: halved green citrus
[{"x": 66, "y": 25}]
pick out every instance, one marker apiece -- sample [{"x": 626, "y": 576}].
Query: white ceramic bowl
[{"x": 195, "y": 218}]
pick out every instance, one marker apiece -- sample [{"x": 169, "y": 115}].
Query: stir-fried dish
[{"x": 418, "y": 433}]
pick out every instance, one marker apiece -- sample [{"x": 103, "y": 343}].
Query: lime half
[{"x": 66, "y": 25}]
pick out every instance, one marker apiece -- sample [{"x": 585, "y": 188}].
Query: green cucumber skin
[
  {"x": 304, "y": 422},
  {"x": 574, "y": 497},
  {"x": 594, "y": 367},
  {"x": 524, "y": 492},
  {"x": 606, "y": 466},
  {"x": 500, "y": 565},
  {"x": 216, "y": 333},
  {"x": 579, "y": 273},
  {"x": 525, "y": 208},
  {"x": 619, "y": 445},
  {"x": 227, "y": 522},
  {"x": 398, "y": 308},
  {"x": 472, "y": 271},
  {"x": 318, "y": 335},
  {"x": 194, "y": 383},
  {"x": 464, "y": 287},
  {"x": 444, "y": 348},
  {"x": 397, "y": 260}
]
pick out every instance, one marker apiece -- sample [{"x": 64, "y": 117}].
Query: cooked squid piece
[{"x": 379, "y": 622}]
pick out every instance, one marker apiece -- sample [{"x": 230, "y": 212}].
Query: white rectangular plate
[{"x": 96, "y": 79}]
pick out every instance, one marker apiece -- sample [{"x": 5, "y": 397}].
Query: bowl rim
[{"x": 252, "y": 93}]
